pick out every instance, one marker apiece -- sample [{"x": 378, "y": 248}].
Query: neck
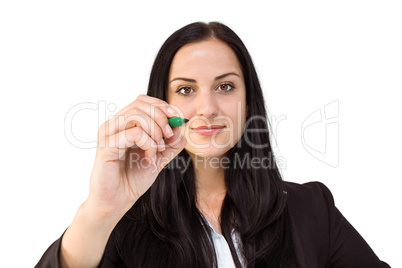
[{"x": 210, "y": 183}]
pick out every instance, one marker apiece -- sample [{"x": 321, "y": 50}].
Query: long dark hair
[{"x": 165, "y": 228}]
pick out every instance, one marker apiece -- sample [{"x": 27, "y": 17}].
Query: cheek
[
  {"x": 183, "y": 108},
  {"x": 238, "y": 110}
]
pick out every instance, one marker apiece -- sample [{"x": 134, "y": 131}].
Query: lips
[
  {"x": 208, "y": 130},
  {"x": 210, "y": 127}
]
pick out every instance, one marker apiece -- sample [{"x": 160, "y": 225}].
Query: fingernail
[
  {"x": 169, "y": 130},
  {"x": 171, "y": 111}
]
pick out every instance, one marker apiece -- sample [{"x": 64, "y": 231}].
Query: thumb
[{"x": 174, "y": 145}]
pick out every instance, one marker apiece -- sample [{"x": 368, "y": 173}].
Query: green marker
[{"x": 177, "y": 121}]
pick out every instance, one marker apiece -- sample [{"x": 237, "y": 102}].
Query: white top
[{"x": 222, "y": 249}]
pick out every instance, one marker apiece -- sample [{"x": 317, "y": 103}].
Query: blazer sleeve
[
  {"x": 346, "y": 247},
  {"x": 50, "y": 259},
  {"x": 111, "y": 257}
]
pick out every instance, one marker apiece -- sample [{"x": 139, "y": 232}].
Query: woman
[{"x": 208, "y": 205}]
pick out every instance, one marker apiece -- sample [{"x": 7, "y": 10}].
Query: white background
[{"x": 55, "y": 55}]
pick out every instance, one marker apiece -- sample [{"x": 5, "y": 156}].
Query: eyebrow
[{"x": 194, "y": 81}]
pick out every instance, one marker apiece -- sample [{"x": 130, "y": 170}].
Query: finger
[
  {"x": 137, "y": 118},
  {"x": 133, "y": 137},
  {"x": 151, "y": 100},
  {"x": 141, "y": 115},
  {"x": 177, "y": 141},
  {"x": 160, "y": 115}
]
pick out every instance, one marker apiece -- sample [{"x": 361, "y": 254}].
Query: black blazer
[{"x": 322, "y": 236}]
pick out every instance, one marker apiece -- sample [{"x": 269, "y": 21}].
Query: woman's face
[{"x": 207, "y": 87}]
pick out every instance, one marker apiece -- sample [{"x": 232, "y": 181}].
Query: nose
[{"x": 206, "y": 104}]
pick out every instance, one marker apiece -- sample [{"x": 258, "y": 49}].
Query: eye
[
  {"x": 225, "y": 87},
  {"x": 184, "y": 90}
]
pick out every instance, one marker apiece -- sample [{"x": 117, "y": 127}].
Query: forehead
[{"x": 210, "y": 56}]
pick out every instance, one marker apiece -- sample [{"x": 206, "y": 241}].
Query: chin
[{"x": 208, "y": 152}]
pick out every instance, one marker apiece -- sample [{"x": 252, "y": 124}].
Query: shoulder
[
  {"x": 309, "y": 202},
  {"x": 309, "y": 195},
  {"x": 322, "y": 236},
  {"x": 310, "y": 207}
]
